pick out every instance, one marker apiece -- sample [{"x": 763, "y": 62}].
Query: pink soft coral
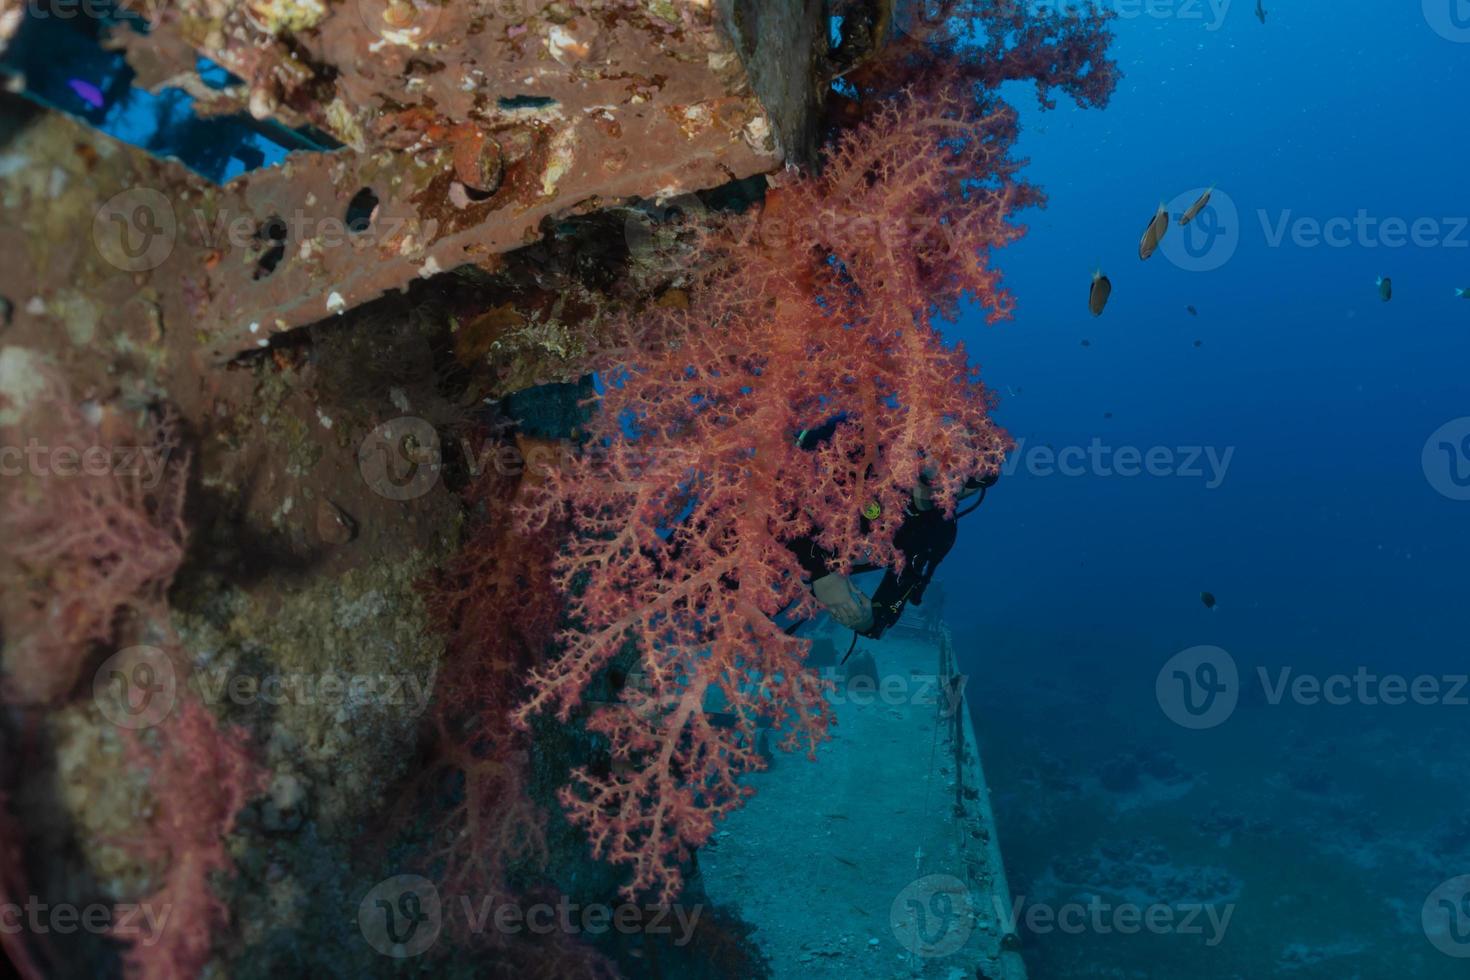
[
  {"x": 499, "y": 611},
  {"x": 92, "y": 544},
  {"x": 988, "y": 42},
  {"x": 824, "y": 305},
  {"x": 200, "y": 777}
]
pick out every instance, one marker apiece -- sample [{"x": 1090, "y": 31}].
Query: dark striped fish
[
  {"x": 1197, "y": 207},
  {"x": 1097, "y": 296},
  {"x": 1154, "y": 233}
]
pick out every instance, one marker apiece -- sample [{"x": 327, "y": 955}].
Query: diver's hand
[{"x": 843, "y": 600}]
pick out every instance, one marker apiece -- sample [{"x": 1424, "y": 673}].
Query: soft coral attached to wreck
[{"x": 823, "y": 305}]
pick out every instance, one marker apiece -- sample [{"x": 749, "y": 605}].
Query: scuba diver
[{"x": 924, "y": 538}]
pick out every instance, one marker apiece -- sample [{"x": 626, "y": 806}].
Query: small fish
[
  {"x": 1260, "y": 12},
  {"x": 1385, "y": 288},
  {"x": 850, "y": 864},
  {"x": 1097, "y": 296},
  {"x": 1107, "y": 415},
  {"x": 1192, "y": 311},
  {"x": 1208, "y": 598},
  {"x": 1197, "y": 207},
  {"x": 1199, "y": 343},
  {"x": 1086, "y": 343},
  {"x": 87, "y": 92},
  {"x": 1154, "y": 233},
  {"x": 1462, "y": 293}
]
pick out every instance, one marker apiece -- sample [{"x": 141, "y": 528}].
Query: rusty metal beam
[{"x": 467, "y": 127}]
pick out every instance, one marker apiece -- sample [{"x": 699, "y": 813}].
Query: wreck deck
[{"x": 880, "y": 859}]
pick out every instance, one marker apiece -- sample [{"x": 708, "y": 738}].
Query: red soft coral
[
  {"x": 823, "y": 306},
  {"x": 988, "y": 42},
  {"x": 93, "y": 543},
  {"x": 499, "y": 611},
  {"x": 200, "y": 777}
]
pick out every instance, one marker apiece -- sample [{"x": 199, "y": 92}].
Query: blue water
[
  {"x": 1325, "y": 530},
  {"x": 1326, "y": 539},
  {"x": 61, "y": 57}
]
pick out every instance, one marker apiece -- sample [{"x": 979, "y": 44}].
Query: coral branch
[
  {"x": 683, "y": 519},
  {"x": 500, "y": 609},
  {"x": 99, "y": 528},
  {"x": 824, "y": 305},
  {"x": 200, "y": 777}
]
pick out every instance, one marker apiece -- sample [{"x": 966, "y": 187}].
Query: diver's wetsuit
[{"x": 924, "y": 538}]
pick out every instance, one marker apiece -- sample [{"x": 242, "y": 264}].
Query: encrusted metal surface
[{"x": 467, "y": 127}]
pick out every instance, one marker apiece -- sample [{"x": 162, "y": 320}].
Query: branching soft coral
[
  {"x": 500, "y": 611},
  {"x": 822, "y": 306},
  {"x": 988, "y": 42},
  {"x": 200, "y": 776},
  {"x": 95, "y": 540},
  {"x": 98, "y": 531}
]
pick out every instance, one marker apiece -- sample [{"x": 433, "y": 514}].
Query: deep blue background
[{"x": 1325, "y": 542}]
